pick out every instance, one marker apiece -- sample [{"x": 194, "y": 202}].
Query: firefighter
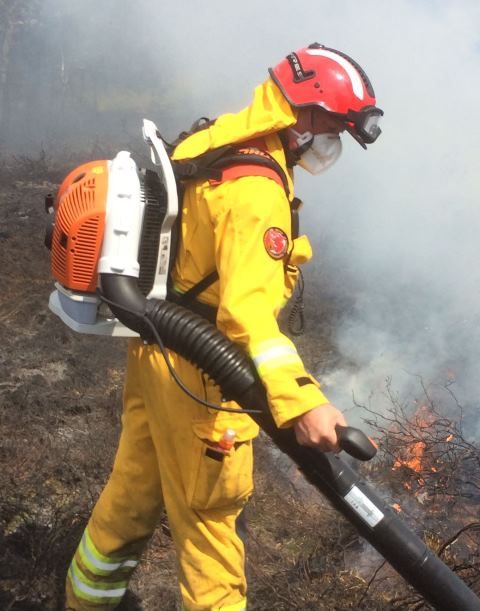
[{"x": 174, "y": 454}]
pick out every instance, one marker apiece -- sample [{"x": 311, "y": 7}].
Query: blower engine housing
[{"x": 79, "y": 226}]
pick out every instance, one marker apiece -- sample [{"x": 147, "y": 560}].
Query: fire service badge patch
[{"x": 276, "y": 242}]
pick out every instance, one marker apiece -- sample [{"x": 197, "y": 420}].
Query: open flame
[
  {"x": 437, "y": 467},
  {"x": 418, "y": 451},
  {"x": 412, "y": 457}
]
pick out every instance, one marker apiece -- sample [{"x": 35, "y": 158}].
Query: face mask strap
[{"x": 304, "y": 142}]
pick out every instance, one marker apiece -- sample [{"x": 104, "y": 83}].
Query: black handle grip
[{"x": 355, "y": 442}]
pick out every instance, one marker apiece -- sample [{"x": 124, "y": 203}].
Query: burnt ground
[{"x": 60, "y": 402}]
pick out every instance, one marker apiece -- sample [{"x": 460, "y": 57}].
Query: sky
[{"x": 395, "y": 228}]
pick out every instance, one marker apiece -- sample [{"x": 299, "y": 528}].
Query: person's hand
[{"x": 316, "y": 428}]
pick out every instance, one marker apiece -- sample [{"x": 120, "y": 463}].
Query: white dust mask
[{"x": 321, "y": 154}]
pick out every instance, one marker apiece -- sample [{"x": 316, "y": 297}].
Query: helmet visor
[
  {"x": 371, "y": 126},
  {"x": 364, "y": 125}
]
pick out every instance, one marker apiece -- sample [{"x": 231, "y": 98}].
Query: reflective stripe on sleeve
[
  {"x": 270, "y": 354},
  {"x": 95, "y": 591},
  {"x": 98, "y": 563}
]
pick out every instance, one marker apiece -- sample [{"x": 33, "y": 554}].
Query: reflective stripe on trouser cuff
[
  {"x": 95, "y": 591},
  {"x": 98, "y": 563},
  {"x": 271, "y": 354},
  {"x": 240, "y": 606}
]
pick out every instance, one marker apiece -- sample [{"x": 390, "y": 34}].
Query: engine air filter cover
[{"x": 79, "y": 226}]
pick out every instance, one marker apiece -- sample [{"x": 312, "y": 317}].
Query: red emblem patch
[{"x": 276, "y": 242}]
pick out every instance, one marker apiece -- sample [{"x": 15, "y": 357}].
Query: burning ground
[{"x": 60, "y": 397}]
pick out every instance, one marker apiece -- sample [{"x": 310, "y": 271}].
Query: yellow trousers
[{"x": 166, "y": 459}]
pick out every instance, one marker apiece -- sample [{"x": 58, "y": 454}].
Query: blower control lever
[{"x": 355, "y": 442}]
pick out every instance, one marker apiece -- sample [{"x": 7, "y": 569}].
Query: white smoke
[
  {"x": 395, "y": 227},
  {"x": 399, "y": 223}
]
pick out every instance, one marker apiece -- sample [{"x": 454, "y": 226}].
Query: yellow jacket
[{"x": 223, "y": 228}]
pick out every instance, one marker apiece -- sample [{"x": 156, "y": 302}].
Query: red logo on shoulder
[{"x": 276, "y": 242}]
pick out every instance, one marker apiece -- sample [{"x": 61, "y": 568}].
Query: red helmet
[{"x": 320, "y": 76}]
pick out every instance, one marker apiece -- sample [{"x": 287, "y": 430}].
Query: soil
[{"x": 60, "y": 401}]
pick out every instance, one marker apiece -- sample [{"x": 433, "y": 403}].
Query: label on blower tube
[{"x": 363, "y": 506}]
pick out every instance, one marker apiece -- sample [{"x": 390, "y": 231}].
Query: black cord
[
  {"x": 297, "y": 310},
  {"x": 172, "y": 371}
]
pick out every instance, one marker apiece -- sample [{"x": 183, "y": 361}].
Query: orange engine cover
[{"x": 79, "y": 226}]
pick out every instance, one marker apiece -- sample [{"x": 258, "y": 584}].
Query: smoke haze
[{"x": 395, "y": 228}]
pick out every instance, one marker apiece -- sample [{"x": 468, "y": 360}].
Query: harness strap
[
  {"x": 237, "y": 171},
  {"x": 203, "y": 309},
  {"x": 198, "y": 288},
  {"x": 258, "y": 162},
  {"x": 227, "y": 163}
]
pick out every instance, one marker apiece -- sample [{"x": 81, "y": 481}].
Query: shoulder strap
[
  {"x": 250, "y": 162},
  {"x": 201, "y": 167},
  {"x": 198, "y": 288},
  {"x": 238, "y": 171},
  {"x": 228, "y": 162}
]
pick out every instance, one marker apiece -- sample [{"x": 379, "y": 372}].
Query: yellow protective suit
[{"x": 166, "y": 457}]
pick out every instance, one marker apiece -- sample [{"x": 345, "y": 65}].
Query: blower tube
[
  {"x": 199, "y": 342},
  {"x": 184, "y": 332}
]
